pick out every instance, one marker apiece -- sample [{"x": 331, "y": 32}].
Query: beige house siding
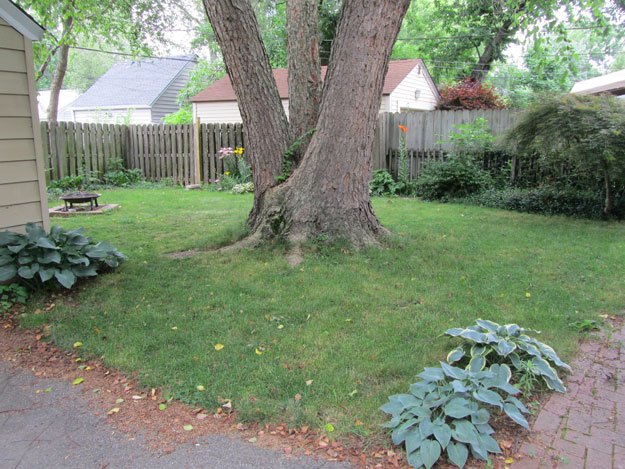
[
  {"x": 403, "y": 97},
  {"x": 22, "y": 185},
  {"x": 112, "y": 115},
  {"x": 223, "y": 111},
  {"x": 166, "y": 103}
]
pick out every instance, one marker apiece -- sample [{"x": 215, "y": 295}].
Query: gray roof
[
  {"x": 133, "y": 83},
  {"x": 20, "y": 20}
]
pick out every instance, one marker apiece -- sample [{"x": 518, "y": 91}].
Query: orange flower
[{"x": 403, "y": 128}]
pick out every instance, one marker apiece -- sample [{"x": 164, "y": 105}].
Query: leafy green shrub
[
  {"x": 38, "y": 257},
  {"x": 549, "y": 200},
  {"x": 117, "y": 175},
  {"x": 84, "y": 180},
  {"x": 458, "y": 176},
  {"x": 382, "y": 183},
  {"x": 243, "y": 188},
  {"x": 445, "y": 411},
  {"x": 489, "y": 343},
  {"x": 10, "y": 295}
]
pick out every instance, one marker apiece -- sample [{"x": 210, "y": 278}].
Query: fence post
[{"x": 197, "y": 167}]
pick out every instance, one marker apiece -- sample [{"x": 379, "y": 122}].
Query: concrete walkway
[
  {"x": 585, "y": 428},
  {"x": 55, "y": 429}
]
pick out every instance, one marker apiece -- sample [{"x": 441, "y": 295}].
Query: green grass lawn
[{"x": 343, "y": 330}]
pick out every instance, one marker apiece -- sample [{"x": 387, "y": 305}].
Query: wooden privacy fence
[
  {"x": 425, "y": 130},
  {"x": 188, "y": 153},
  {"x": 184, "y": 153}
]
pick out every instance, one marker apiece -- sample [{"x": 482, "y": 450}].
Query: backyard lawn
[{"x": 328, "y": 340}]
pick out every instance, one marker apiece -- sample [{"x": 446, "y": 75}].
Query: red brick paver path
[{"x": 585, "y": 428}]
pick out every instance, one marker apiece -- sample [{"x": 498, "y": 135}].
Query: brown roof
[{"x": 222, "y": 89}]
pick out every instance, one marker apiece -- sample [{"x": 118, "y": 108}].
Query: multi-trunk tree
[{"x": 327, "y": 191}]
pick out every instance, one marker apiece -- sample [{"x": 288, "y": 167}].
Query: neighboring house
[
  {"x": 23, "y": 195},
  {"x": 66, "y": 97},
  {"x": 134, "y": 92},
  {"x": 613, "y": 83},
  {"x": 408, "y": 86}
]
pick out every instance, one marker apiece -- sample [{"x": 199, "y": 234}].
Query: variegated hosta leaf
[
  {"x": 490, "y": 326},
  {"x": 477, "y": 363},
  {"x": 455, "y": 355}
]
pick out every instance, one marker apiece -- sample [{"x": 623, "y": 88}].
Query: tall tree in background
[
  {"x": 328, "y": 192},
  {"x": 115, "y": 22}
]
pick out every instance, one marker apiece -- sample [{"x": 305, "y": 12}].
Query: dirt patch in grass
[{"x": 183, "y": 254}]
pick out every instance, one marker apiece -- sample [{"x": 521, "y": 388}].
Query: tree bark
[
  {"x": 329, "y": 192},
  {"x": 247, "y": 63},
  {"x": 302, "y": 29},
  {"x": 59, "y": 72},
  {"x": 488, "y": 56}
]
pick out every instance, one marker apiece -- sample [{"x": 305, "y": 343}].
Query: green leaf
[
  {"x": 7, "y": 272},
  {"x": 516, "y": 361},
  {"x": 551, "y": 354},
  {"x": 455, "y": 355},
  {"x": 65, "y": 277},
  {"x": 477, "y": 363},
  {"x": 488, "y": 396},
  {"x": 544, "y": 368},
  {"x": 50, "y": 257},
  {"x": 490, "y": 326},
  {"x": 75, "y": 259},
  {"x": 513, "y": 330},
  {"x": 465, "y": 432},
  {"x": 442, "y": 433},
  {"x": 426, "y": 427},
  {"x": 408, "y": 400},
  {"x": 413, "y": 440},
  {"x": 432, "y": 374},
  {"x": 414, "y": 459},
  {"x": 480, "y": 417},
  {"x": 506, "y": 347},
  {"x": 484, "y": 428},
  {"x": 8, "y": 237},
  {"x": 24, "y": 259},
  {"x": 555, "y": 384},
  {"x": 457, "y": 410},
  {"x": 458, "y": 386},
  {"x": 515, "y": 415},
  {"x": 77, "y": 381},
  {"x": 517, "y": 403},
  {"x": 162, "y": 406},
  {"x": 478, "y": 349},
  {"x": 5, "y": 259},
  {"x": 28, "y": 272},
  {"x": 478, "y": 451},
  {"x": 489, "y": 443},
  {"x": 44, "y": 242},
  {"x": 455, "y": 332},
  {"x": 188, "y": 428},
  {"x": 457, "y": 454},
  {"x": 421, "y": 388},
  {"x": 420, "y": 411},
  {"x": 453, "y": 372},
  {"x": 15, "y": 248},
  {"x": 501, "y": 374},
  {"x": 84, "y": 271},
  {"x": 430, "y": 452},
  {"x": 475, "y": 336},
  {"x": 393, "y": 407},
  {"x": 46, "y": 273}
]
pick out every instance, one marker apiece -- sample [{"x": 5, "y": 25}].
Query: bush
[
  {"x": 446, "y": 411},
  {"x": 11, "y": 295},
  {"x": 549, "y": 200},
  {"x": 489, "y": 343},
  {"x": 243, "y": 188},
  {"x": 469, "y": 94},
  {"x": 63, "y": 256},
  {"x": 117, "y": 175},
  {"x": 382, "y": 183},
  {"x": 456, "y": 177}
]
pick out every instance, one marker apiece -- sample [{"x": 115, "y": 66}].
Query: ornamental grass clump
[
  {"x": 488, "y": 343},
  {"x": 38, "y": 258}
]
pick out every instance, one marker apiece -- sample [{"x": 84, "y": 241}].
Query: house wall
[
  {"x": 403, "y": 97},
  {"x": 223, "y": 111},
  {"x": 113, "y": 116},
  {"x": 166, "y": 103},
  {"x": 23, "y": 196}
]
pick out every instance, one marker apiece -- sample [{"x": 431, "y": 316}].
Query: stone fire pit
[{"x": 80, "y": 197}]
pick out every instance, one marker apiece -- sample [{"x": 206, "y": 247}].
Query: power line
[{"x": 127, "y": 54}]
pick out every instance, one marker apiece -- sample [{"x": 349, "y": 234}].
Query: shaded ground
[{"x": 585, "y": 428}]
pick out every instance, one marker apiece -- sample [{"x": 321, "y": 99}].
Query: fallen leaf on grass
[
  {"x": 199, "y": 387},
  {"x": 329, "y": 427},
  {"x": 258, "y": 352},
  {"x": 309, "y": 382},
  {"x": 77, "y": 344},
  {"x": 119, "y": 401},
  {"x": 509, "y": 461},
  {"x": 188, "y": 428},
  {"x": 219, "y": 346},
  {"x": 298, "y": 397},
  {"x": 77, "y": 381}
]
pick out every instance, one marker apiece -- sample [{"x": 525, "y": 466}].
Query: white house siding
[
  {"x": 223, "y": 111},
  {"x": 22, "y": 185},
  {"x": 403, "y": 97},
  {"x": 166, "y": 103},
  {"x": 113, "y": 116}
]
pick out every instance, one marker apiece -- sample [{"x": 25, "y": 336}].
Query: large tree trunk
[
  {"x": 247, "y": 63},
  {"x": 59, "y": 72},
  {"x": 329, "y": 192},
  {"x": 302, "y": 29}
]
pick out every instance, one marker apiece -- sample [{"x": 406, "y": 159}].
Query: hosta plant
[
  {"x": 488, "y": 343},
  {"x": 38, "y": 257},
  {"x": 447, "y": 411}
]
